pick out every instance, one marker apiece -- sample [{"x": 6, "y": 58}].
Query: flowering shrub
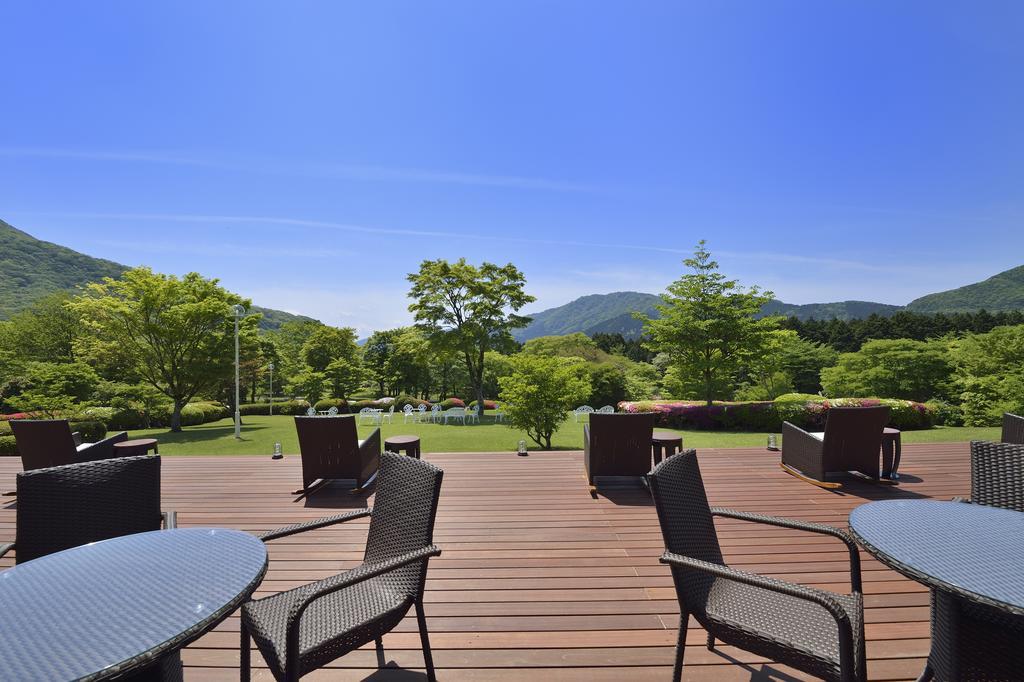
[
  {"x": 403, "y": 400},
  {"x": 806, "y": 411},
  {"x": 452, "y": 402},
  {"x": 488, "y": 405},
  {"x": 16, "y": 415}
]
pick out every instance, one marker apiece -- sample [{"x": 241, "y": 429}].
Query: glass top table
[
  {"x": 110, "y": 607},
  {"x": 973, "y": 551}
]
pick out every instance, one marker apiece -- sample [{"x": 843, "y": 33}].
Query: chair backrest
[
  {"x": 404, "y": 508},
  {"x": 435, "y": 408},
  {"x": 583, "y": 409},
  {"x": 44, "y": 442},
  {"x": 1013, "y": 429},
  {"x": 620, "y": 444},
  {"x": 607, "y": 409},
  {"x": 853, "y": 438},
  {"x": 421, "y": 408},
  {"x": 686, "y": 526},
  {"x": 997, "y": 474},
  {"x": 333, "y": 412},
  {"x": 67, "y": 506},
  {"x": 311, "y": 412},
  {"x": 329, "y": 447},
  {"x": 366, "y": 410},
  {"x": 407, "y": 409}
]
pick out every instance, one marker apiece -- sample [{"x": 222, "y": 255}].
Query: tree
[
  {"x": 376, "y": 353},
  {"x": 708, "y": 324},
  {"x": 787, "y": 363},
  {"x": 540, "y": 392},
  {"x": 327, "y": 344},
  {"x": 891, "y": 368},
  {"x": 309, "y": 384},
  {"x": 54, "y": 388},
  {"x": 45, "y": 332},
  {"x": 989, "y": 370},
  {"x": 177, "y": 333},
  {"x": 344, "y": 376},
  {"x": 290, "y": 337},
  {"x": 469, "y": 309}
]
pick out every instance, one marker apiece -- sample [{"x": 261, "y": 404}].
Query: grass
[{"x": 260, "y": 433}]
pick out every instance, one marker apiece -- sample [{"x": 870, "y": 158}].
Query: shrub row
[
  {"x": 806, "y": 411},
  {"x": 452, "y": 402},
  {"x": 323, "y": 405},
  {"x": 488, "y": 405}
]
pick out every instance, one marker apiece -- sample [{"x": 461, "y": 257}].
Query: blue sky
[{"x": 310, "y": 154}]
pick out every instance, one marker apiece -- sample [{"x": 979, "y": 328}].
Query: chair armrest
[
  {"x": 77, "y": 437},
  {"x": 586, "y": 437},
  {"x": 170, "y": 519},
  {"x": 818, "y": 597},
  {"x": 6, "y": 547},
  {"x": 371, "y": 444},
  {"x": 311, "y": 525},
  {"x": 851, "y": 545},
  {"x": 310, "y": 593},
  {"x": 801, "y": 437}
]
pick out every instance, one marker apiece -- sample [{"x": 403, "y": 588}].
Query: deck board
[{"x": 538, "y": 580}]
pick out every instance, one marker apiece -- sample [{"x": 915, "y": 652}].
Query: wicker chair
[
  {"x": 302, "y": 629},
  {"x": 330, "y": 449},
  {"x": 820, "y": 633},
  {"x": 1013, "y": 429},
  {"x": 997, "y": 475},
  {"x": 46, "y": 443},
  {"x": 75, "y": 504},
  {"x": 851, "y": 441},
  {"x": 617, "y": 445}
]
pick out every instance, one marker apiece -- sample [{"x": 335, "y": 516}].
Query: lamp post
[
  {"x": 271, "y": 368},
  {"x": 238, "y": 311}
]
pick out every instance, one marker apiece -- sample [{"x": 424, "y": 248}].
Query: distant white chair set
[
  {"x": 584, "y": 410},
  {"x": 414, "y": 414},
  {"x": 375, "y": 415}
]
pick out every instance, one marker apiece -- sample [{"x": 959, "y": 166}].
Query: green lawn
[{"x": 260, "y": 433}]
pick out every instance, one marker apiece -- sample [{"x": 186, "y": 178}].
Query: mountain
[
  {"x": 843, "y": 310},
  {"x": 31, "y": 268},
  {"x": 1002, "y": 292},
  {"x": 592, "y": 314}
]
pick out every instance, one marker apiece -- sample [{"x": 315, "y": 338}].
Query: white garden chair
[
  {"x": 333, "y": 412},
  {"x": 407, "y": 414},
  {"x": 386, "y": 415},
  {"x": 582, "y": 410},
  {"x": 499, "y": 414},
  {"x": 455, "y": 413},
  {"x": 369, "y": 413},
  {"x": 607, "y": 409},
  {"x": 311, "y": 412},
  {"x": 472, "y": 414},
  {"x": 435, "y": 413},
  {"x": 421, "y": 412}
]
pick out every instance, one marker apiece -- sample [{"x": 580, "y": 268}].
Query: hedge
[
  {"x": 449, "y": 403},
  {"x": 328, "y": 403},
  {"x": 806, "y": 411},
  {"x": 404, "y": 399}
]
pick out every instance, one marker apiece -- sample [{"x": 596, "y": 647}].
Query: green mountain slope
[
  {"x": 1002, "y": 292},
  {"x": 843, "y": 310},
  {"x": 592, "y": 314},
  {"x": 31, "y": 268}
]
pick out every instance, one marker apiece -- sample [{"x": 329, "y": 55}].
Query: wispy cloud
[
  {"x": 322, "y": 170},
  {"x": 212, "y": 249}
]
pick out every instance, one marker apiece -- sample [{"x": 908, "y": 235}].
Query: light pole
[
  {"x": 271, "y": 368},
  {"x": 238, "y": 311}
]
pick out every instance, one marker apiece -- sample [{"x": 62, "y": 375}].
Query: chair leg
[
  {"x": 243, "y": 653},
  {"x": 380, "y": 653},
  {"x": 677, "y": 672},
  {"x": 425, "y": 641},
  {"x": 711, "y": 642}
]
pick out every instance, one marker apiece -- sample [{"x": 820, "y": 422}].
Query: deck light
[
  {"x": 522, "y": 449},
  {"x": 772, "y": 443},
  {"x": 277, "y": 451}
]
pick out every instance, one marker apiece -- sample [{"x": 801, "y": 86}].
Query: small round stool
[
  {"x": 410, "y": 445},
  {"x": 891, "y": 447},
  {"x": 665, "y": 443},
  {"x": 139, "y": 446}
]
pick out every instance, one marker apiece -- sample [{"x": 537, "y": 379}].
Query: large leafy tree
[
  {"x": 990, "y": 373},
  {"x": 891, "y": 368},
  {"x": 709, "y": 324},
  {"x": 176, "y": 333},
  {"x": 540, "y": 391},
  {"x": 469, "y": 310},
  {"x": 334, "y": 353},
  {"x": 45, "y": 332}
]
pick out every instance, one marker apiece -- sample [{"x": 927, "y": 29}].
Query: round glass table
[
  {"x": 117, "y": 606},
  {"x": 971, "y": 556}
]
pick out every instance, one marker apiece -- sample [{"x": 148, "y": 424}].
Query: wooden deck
[{"x": 540, "y": 581}]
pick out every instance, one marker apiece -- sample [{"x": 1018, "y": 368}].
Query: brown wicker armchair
[
  {"x": 997, "y": 475},
  {"x": 301, "y": 630},
  {"x": 50, "y": 442},
  {"x": 617, "y": 445},
  {"x": 1013, "y": 429},
  {"x": 820, "y": 633},
  {"x": 331, "y": 449},
  {"x": 851, "y": 441}
]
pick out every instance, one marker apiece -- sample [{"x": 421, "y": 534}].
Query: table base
[{"x": 972, "y": 641}]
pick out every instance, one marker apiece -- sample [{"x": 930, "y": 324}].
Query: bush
[
  {"x": 5, "y": 428},
  {"x": 8, "y": 446},
  {"x": 357, "y": 405},
  {"x": 91, "y": 431},
  {"x": 250, "y": 409},
  {"x": 806, "y": 411},
  {"x": 488, "y": 405},
  {"x": 292, "y": 407},
  {"x": 328, "y": 403},
  {"x": 946, "y": 414},
  {"x": 116, "y": 420},
  {"x": 452, "y": 402},
  {"x": 403, "y": 400}
]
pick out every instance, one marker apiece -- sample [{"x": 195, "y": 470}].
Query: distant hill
[
  {"x": 592, "y": 314},
  {"x": 1002, "y": 292},
  {"x": 843, "y": 310},
  {"x": 31, "y": 268}
]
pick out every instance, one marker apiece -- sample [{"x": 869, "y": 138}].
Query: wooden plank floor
[{"x": 540, "y": 581}]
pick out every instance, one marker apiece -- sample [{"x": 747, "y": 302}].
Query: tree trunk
[
  {"x": 707, "y": 387},
  {"x": 176, "y": 416}
]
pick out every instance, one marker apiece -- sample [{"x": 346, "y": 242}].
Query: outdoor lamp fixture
[
  {"x": 238, "y": 312},
  {"x": 271, "y": 368},
  {"x": 277, "y": 451},
  {"x": 522, "y": 449},
  {"x": 773, "y": 444}
]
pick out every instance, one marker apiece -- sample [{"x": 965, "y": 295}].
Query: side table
[
  {"x": 665, "y": 444},
  {"x": 410, "y": 445},
  {"x": 139, "y": 446}
]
